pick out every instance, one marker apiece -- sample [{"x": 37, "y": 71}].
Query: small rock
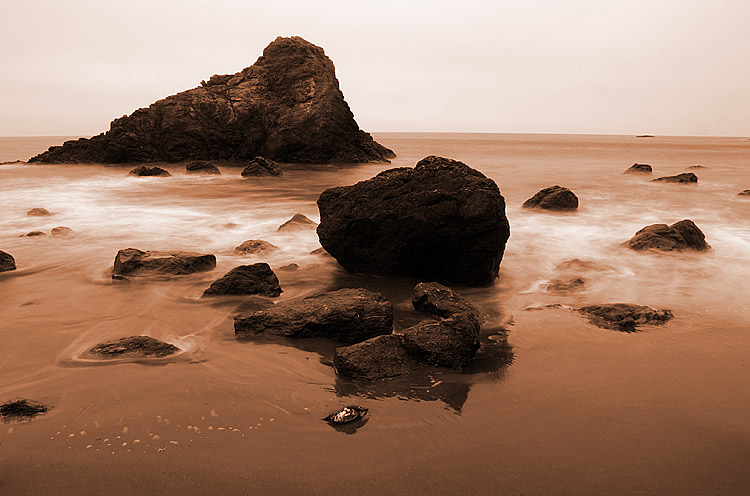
[
  {"x": 62, "y": 231},
  {"x": 449, "y": 343},
  {"x": 624, "y": 316},
  {"x": 553, "y": 198},
  {"x": 697, "y": 167},
  {"x": 201, "y": 167},
  {"x": 21, "y": 409},
  {"x": 245, "y": 280},
  {"x": 33, "y": 233},
  {"x": 298, "y": 221},
  {"x": 347, "y": 414},
  {"x": 142, "y": 346},
  {"x": 566, "y": 285},
  {"x": 685, "y": 177},
  {"x": 639, "y": 169},
  {"x": 291, "y": 266},
  {"x": 376, "y": 358},
  {"x": 7, "y": 262},
  {"x": 744, "y": 193},
  {"x": 149, "y": 171},
  {"x": 440, "y": 301},
  {"x": 260, "y": 166},
  {"x": 682, "y": 235},
  {"x": 320, "y": 252},
  {"x": 254, "y": 246},
  {"x": 38, "y": 212},
  {"x": 132, "y": 262}
]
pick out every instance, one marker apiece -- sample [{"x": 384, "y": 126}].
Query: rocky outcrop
[
  {"x": 297, "y": 222},
  {"x": 441, "y": 301},
  {"x": 682, "y": 235},
  {"x": 7, "y": 262},
  {"x": 38, "y": 212},
  {"x": 347, "y": 315},
  {"x": 131, "y": 261},
  {"x": 553, "y": 198},
  {"x": 143, "y": 171},
  {"x": 62, "y": 231},
  {"x": 624, "y": 316},
  {"x": 201, "y": 167},
  {"x": 134, "y": 346},
  {"x": 286, "y": 107},
  {"x": 246, "y": 280},
  {"x": 254, "y": 247},
  {"x": 685, "y": 177},
  {"x": 440, "y": 221},
  {"x": 260, "y": 166},
  {"x": 377, "y": 358},
  {"x": 639, "y": 169}
]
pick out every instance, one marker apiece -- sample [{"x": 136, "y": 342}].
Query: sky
[{"x": 668, "y": 67}]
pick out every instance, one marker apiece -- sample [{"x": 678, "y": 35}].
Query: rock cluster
[
  {"x": 131, "y": 261},
  {"x": 553, "y": 198},
  {"x": 682, "y": 235}
]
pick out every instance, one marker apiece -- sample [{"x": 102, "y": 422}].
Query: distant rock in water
[
  {"x": 254, "y": 247},
  {"x": 62, "y": 231},
  {"x": 7, "y": 262},
  {"x": 624, "y": 316},
  {"x": 134, "y": 346},
  {"x": 698, "y": 166},
  {"x": 685, "y": 177},
  {"x": 553, "y": 198},
  {"x": 131, "y": 261},
  {"x": 33, "y": 234},
  {"x": 645, "y": 136},
  {"x": 201, "y": 167},
  {"x": 440, "y": 221},
  {"x": 298, "y": 221},
  {"x": 286, "y": 107},
  {"x": 38, "y": 212},
  {"x": 744, "y": 193},
  {"x": 639, "y": 169},
  {"x": 144, "y": 171},
  {"x": 682, "y": 235},
  {"x": 566, "y": 285},
  {"x": 260, "y": 166},
  {"x": 246, "y": 280}
]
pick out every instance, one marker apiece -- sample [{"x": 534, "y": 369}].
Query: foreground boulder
[
  {"x": 449, "y": 343},
  {"x": 134, "y": 346},
  {"x": 347, "y": 315},
  {"x": 201, "y": 167},
  {"x": 297, "y": 222},
  {"x": 7, "y": 262},
  {"x": 441, "y": 220},
  {"x": 287, "y": 107},
  {"x": 260, "y": 166},
  {"x": 441, "y": 301},
  {"x": 38, "y": 212},
  {"x": 624, "y": 316},
  {"x": 131, "y": 261},
  {"x": 377, "y": 358},
  {"x": 143, "y": 171},
  {"x": 682, "y": 235},
  {"x": 553, "y": 198},
  {"x": 685, "y": 177},
  {"x": 639, "y": 169},
  {"x": 254, "y": 246},
  {"x": 246, "y": 280}
]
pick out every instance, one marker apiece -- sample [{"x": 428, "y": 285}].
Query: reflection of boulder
[
  {"x": 624, "y": 316},
  {"x": 7, "y": 262},
  {"x": 246, "y": 280},
  {"x": 134, "y": 346},
  {"x": 131, "y": 261},
  {"x": 682, "y": 235},
  {"x": 553, "y": 198}
]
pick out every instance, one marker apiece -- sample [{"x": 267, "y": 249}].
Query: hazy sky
[{"x": 677, "y": 67}]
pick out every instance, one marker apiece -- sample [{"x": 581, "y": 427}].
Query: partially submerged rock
[
  {"x": 32, "y": 234},
  {"x": 440, "y": 301},
  {"x": 744, "y": 193},
  {"x": 682, "y": 235},
  {"x": 441, "y": 220},
  {"x": 376, "y": 358},
  {"x": 624, "y": 316},
  {"x": 298, "y": 221},
  {"x": 38, "y": 212},
  {"x": 639, "y": 169},
  {"x": 246, "y": 280},
  {"x": 131, "y": 261},
  {"x": 555, "y": 198},
  {"x": 21, "y": 410},
  {"x": 685, "y": 177},
  {"x": 201, "y": 167},
  {"x": 134, "y": 346},
  {"x": 578, "y": 265},
  {"x": 254, "y": 247},
  {"x": 698, "y": 167},
  {"x": 449, "y": 343},
  {"x": 260, "y": 166},
  {"x": 7, "y": 262},
  {"x": 347, "y": 315},
  {"x": 62, "y": 231},
  {"x": 349, "y": 413},
  {"x": 143, "y": 171},
  {"x": 566, "y": 285}
]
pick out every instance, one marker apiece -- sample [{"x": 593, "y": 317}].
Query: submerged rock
[
  {"x": 624, "y": 316},
  {"x": 286, "y": 107},
  {"x": 744, "y": 193},
  {"x": 131, "y": 261},
  {"x": 441, "y": 220},
  {"x": 566, "y": 285},
  {"x": 139, "y": 346},
  {"x": 376, "y": 358},
  {"x": 449, "y": 343},
  {"x": 260, "y": 166},
  {"x": 38, "y": 212},
  {"x": 144, "y": 171},
  {"x": 698, "y": 167},
  {"x": 441, "y": 301},
  {"x": 32, "y": 234},
  {"x": 62, "y": 231},
  {"x": 682, "y": 235},
  {"x": 553, "y": 198},
  {"x": 254, "y": 247},
  {"x": 347, "y": 315},
  {"x": 7, "y": 262},
  {"x": 685, "y": 177},
  {"x": 201, "y": 167},
  {"x": 21, "y": 409},
  {"x": 298, "y": 221},
  {"x": 579, "y": 265},
  {"x": 245, "y": 280},
  {"x": 639, "y": 169}
]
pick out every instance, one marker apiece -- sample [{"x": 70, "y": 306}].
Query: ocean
[{"x": 552, "y": 404}]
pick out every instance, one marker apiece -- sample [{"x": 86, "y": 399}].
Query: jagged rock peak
[{"x": 286, "y": 107}]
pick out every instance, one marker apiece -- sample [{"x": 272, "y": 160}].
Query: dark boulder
[
  {"x": 639, "y": 169},
  {"x": 254, "y": 247},
  {"x": 441, "y": 220},
  {"x": 201, "y": 167},
  {"x": 134, "y": 346},
  {"x": 245, "y": 280},
  {"x": 682, "y": 235},
  {"x": 347, "y": 315},
  {"x": 566, "y": 285},
  {"x": 448, "y": 343},
  {"x": 32, "y": 234},
  {"x": 38, "y": 212},
  {"x": 143, "y": 171},
  {"x": 7, "y": 262},
  {"x": 377, "y": 358},
  {"x": 286, "y": 107},
  {"x": 624, "y": 316},
  {"x": 62, "y": 231},
  {"x": 553, "y": 198},
  {"x": 744, "y": 193},
  {"x": 21, "y": 410},
  {"x": 685, "y": 177},
  {"x": 297, "y": 222},
  {"x": 131, "y": 261},
  {"x": 440, "y": 301},
  {"x": 260, "y": 166}
]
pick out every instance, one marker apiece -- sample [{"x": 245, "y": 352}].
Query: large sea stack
[{"x": 286, "y": 107}]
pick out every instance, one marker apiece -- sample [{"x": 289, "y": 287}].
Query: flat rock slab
[
  {"x": 347, "y": 315},
  {"x": 131, "y": 261},
  {"x": 680, "y": 236},
  {"x": 254, "y": 247},
  {"x": 260, "y": 166},
  {"x": 134, "y": 346},
  {"x": 441, "y": 301},
  {"x": 639, "y": 169},
  {"x": 144, "y": 171},
  {"x": 7, "y": 262},
  {"x": 685, "y": 177},
  {"x": 297, "y": 222},
  {"x": 553, "y": 198},
  {"x": 377, "y": 358},
  {"x": 256, "y": 279},
  {"x": 201, "y": 167},
  {"x": 624, "y": 317}
]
